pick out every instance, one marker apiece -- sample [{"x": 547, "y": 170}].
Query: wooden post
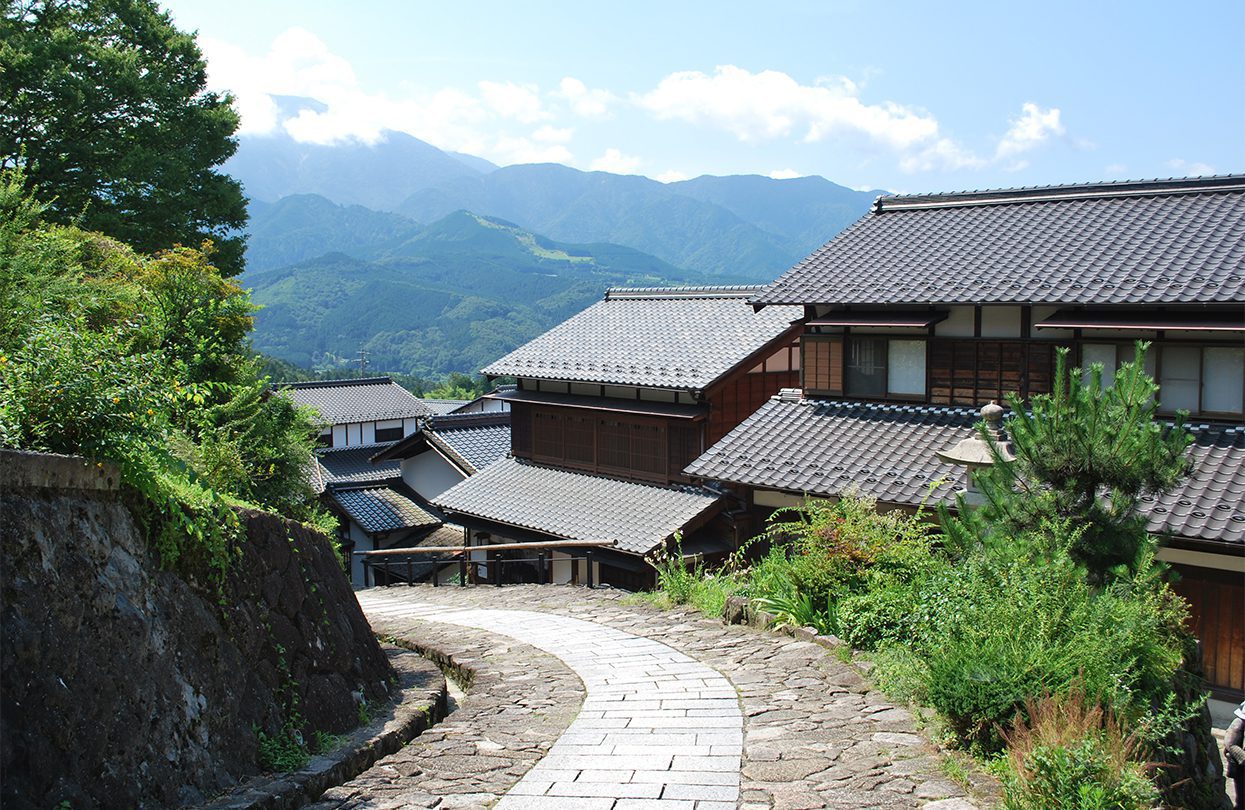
[
  {"x": 588, "y": 557},
  {"x": 540, "y": 567},
  {"x": 462, "y": 569}
]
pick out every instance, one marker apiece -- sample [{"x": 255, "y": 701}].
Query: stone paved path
[
  {"x": 656, "y": 725},
  {"x": 815, "y": 733}
]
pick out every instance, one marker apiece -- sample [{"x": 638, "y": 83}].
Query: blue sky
[{"x": 904, "y": 96}]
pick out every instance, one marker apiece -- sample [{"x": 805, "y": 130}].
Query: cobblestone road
[{"x": 678, "y": 711}]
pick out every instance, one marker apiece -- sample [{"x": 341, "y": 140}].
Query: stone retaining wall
[{"x": 123, "y": 685}]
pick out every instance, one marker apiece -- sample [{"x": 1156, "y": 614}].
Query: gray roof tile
[
  {"x": 364, "y": 400},
  {"x": 677, "y": 337},
  {"x": 1177, "y": 241},
  {"x": 576, "y": 506},
  {"x": 344, "y": 465},
  {"x": 444, "y": 406},
  {"x": 382, "y": 509},
  {"x": 472, "y": 440},
  {"x": 822, "y": 447}
]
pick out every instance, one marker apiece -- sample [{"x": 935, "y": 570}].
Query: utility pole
[{"x": 362, "y": 362}]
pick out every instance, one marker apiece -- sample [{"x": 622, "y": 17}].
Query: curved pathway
[
  {"x": 655, "y": 724},
  {"x": 814, "y": 733}
]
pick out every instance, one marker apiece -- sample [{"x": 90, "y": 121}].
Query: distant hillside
[
  {"x": 304, "y": 226},
  {"x": 379, "y": 176},
  {"x": 749, "y": 226},
  {"x": 450, "y": 297}
]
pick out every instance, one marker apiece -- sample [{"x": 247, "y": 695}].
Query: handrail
[
  {"x": 538, "y": 544},
  {"x": 469, "y": 569}
]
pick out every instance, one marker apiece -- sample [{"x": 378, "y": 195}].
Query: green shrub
[
  {"x": 1072, "y": 754},
  {"x": 679, "y": 584},
  {"x": 995, "y": 635},
  {"x": 885, "y": 615},
  {"x": 800, "y": 610}
]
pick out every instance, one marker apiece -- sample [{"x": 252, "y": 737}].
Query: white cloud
[
  {"x": 616, "y": 162},
  {"x": 670, "y": 176},
  {"x": 551, "y": 134},
  {"x": 784, "y": 174},
  {"x": 300, "y": 64},
  {"x": 1190, "y": 168},
  {"x": 508, "y": 150},
  {"x": 594, "y": 103},
  {"x": 943, "y": 154},
  {"x": 770, "y": 104},
  {"x": 1032, "y": 128},
  {"x": 518, "y": 101}
]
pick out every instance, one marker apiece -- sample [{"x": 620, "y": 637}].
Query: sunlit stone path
[{"x": 678, "y": 711}]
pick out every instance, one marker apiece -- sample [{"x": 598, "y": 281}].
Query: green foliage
[
  {"x": 1083, "y": 453},
  {"x": 801, "y": 610},
  {"x": 995, "y": 634},
  {"x": 105, "y": 106},
  {"x": 1072, "y": 754},
  {"x": 678, "y": 584},
  {"x": 408, "y": 306},
  {"x": 143, "y": 361}
]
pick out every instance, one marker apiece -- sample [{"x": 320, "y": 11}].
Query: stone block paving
[{"x": 814, "y": 732}]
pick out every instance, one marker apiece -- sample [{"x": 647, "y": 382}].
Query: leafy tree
[
  {"x": 1085, "y": 454},
  {"x": 103, "y": 103}
]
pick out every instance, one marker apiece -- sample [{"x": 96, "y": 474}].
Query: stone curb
[{"x": 414, "y": 710}]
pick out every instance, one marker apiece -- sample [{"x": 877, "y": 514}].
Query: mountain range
[{"x": 389, "y": 246}]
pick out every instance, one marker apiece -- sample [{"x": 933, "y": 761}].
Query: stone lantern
[{"x": 974, "y": 452}]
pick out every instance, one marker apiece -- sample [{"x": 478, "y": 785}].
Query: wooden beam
[{"x": 394, "y": 552}]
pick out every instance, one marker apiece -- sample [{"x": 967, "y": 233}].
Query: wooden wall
[{"x": 1217, "y": 617}]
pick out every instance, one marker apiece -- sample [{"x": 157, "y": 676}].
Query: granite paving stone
[{"x": 781, "y": 723}]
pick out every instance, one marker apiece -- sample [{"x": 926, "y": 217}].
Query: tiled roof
[
  {"x": 444, "y": 406},
  {"x": 822, "y": 447},
  {"x": 343, "y": 465},
  {"x": 364, "y": 400},
  {"x": 381, "y": 509},
  {"x": 1175, "y": 241},
  {"x": 676, "y": 337},
  {"x": 575, "y": 506},
  {"x": 472, "y": 440}
]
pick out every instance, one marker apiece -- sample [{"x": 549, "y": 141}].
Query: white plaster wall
[
  {"x": 1000, "y": 322},
  {"x": 361, "y": 543},
  {"x": 409, "y": 426},
  {"x": 429, "y": 474},
  {"x": 339, "y": 435},
  {"x": 958, "y": 323},
  {"x": 369, "y": 433}
]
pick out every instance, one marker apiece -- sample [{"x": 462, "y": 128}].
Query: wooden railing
[{"x": 398, "y": 564}]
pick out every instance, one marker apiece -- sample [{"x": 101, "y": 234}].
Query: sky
[{"x": 896, "y": 95}]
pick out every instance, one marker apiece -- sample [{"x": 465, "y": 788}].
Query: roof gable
[
  {"x": 678, "y": 337},
  {"x": 1174, "y": 241}
]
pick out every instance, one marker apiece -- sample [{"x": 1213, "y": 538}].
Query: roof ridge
[
  {"x": 1071, "y": 191},
  {"x": 453, "y": 420},
  {"x": 335, "y": 383},
  {"x": 690, "y": 291}
]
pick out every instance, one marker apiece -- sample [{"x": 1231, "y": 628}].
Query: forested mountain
[
  {"x": 744, "y": 226},
  {"x": 304, "y": 226},
  {"x": 379, "y": 176},
  {"x": 451, "y": 297}
]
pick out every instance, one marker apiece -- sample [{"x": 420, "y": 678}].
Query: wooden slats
[{"x": 822, "y": 362}]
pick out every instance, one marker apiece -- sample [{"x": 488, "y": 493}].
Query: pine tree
[{"x": 1085, "y": 456}]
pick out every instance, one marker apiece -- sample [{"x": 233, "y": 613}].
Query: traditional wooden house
[
  {"x": 609, "y": 407},
  {"x": 369, "y": 410},
  {"x": 931, "y": 306}
]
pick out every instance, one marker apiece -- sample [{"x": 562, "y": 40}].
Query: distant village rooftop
[
  {"x": 661, "y": 337},
  {"x": 368, "y": 399},
  {"x": 470, "y": 441},
  {"x": 1179, "y": 241}
]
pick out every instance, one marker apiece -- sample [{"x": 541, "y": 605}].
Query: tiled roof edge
[
  {"x": 657, "y": 293},
  {"x": 335, "y": 383},
  {"x": 448, "y": 421},
  {"x": 1072, "y": 191}
]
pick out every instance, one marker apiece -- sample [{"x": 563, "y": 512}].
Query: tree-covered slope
[
  {"x": 303, "y": 226},
  {"x": 576, "y": 206},
  {"x": 452, "y": 297}
]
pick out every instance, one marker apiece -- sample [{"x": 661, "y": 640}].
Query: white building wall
[{"x": 430, "y": 474}]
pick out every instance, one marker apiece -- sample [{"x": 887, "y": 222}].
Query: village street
[{"x": 580, "y": 700}]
